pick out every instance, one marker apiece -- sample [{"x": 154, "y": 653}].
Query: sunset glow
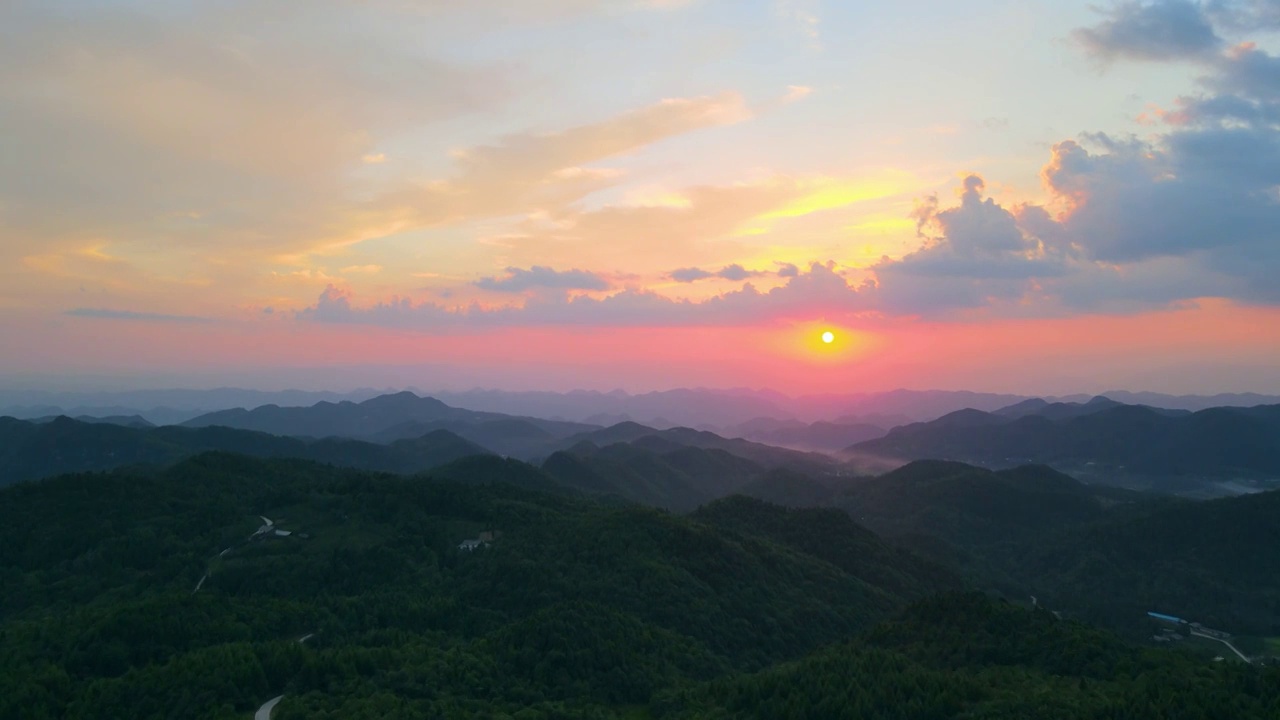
[{"x": 461, "y": 194}]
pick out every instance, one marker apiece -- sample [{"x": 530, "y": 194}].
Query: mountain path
[{"x": 264, "y": 712}]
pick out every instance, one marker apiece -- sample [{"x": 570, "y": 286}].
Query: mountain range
[
  {"x": 717, "y": 410},
  {"x": 1099, "y": 439},
  {"x": 1209, "y": 452},
  {"x": 30, "y": 450},
  {"x": 403, "y": 433}
]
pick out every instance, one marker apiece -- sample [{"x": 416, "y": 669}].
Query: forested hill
[
  {"x": 662, "y": 441},
  {"x": 203, "y": 590},
  {"x": 573, "y": 604},
  {"x": 1220, "y": 442},
  {"x": 1105, "y": 554},
  {"x": 967, "y": 656},
  {"x": 30, "y": 451},
  {"x": 661, "y": 470}
]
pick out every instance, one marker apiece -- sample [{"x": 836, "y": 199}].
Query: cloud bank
[{"x": 520, "y": 280}]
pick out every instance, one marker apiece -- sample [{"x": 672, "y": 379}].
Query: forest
[{"x": 168, "y": 593}]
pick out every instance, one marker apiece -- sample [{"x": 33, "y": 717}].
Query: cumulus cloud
[
  {"x": 819, "y": 291},
  {"x": 1132, "y": 223},
  {"x": 1245, "y": 15},
  {"x": 975, "y": 254},
  {"x": 1244, "y": 91},
  {"x": 977, "y": 239},
  {"x": 737, "y": 272},
  {"x": 1247, "y": 72},
  {"x": 1143, "y": 285},
  {"x": 1161, "y": 30},
  {"x": 520, "y": 280},
  {"x": 1144, "y": 226},
  {"x": 1205, "y": 189},
  {"x": 1205, "y": 195},
  {"x": 1175, "y": 29},
  {"x": 693, "y": 274},
  {"x": 733, "y": 272}
]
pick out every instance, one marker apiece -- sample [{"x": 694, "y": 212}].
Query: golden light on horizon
[{"x": 822, "y": 342}]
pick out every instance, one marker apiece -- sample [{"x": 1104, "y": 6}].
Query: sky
[{"x": 1026, "y": 196}]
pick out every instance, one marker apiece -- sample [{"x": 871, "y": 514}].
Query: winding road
[{"x": 264, "y": 712}]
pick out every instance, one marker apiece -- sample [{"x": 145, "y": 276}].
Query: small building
[
  {"x": 1165, "y": 618},
  {"x": 470, "y": 545}
]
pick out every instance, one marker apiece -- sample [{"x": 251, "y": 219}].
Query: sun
[{"x": 828, "y": 337}]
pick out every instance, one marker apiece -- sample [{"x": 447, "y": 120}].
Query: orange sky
[
  {"x": 1054, "y": 197},
  {"x": 1207, "y": 348}
]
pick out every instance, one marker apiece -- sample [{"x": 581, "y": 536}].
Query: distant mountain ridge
[
  {"x": 691, "y": 407},
  {"x": 820, "y": 436},
  {"x": 1100, "y": 434},
  {"x": 676, "y": 468},
  {"x": 31, "y": 451},
  {"x": 392, "y": 417}
]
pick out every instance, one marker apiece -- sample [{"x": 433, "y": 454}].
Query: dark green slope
[
  {"x": 966, "y": 504},
  {"x": 653, "y": 471},
  {"x": 1212, "y": 561},
  {"x": 766, "y": 456},
  {"x": 789, "y": 488},
  {"x": 967, "y": 656},
  {"x": 1217, "y": 442},
  {"x": 1100, "y": 553},
  {"x": 30, "y": 451},
  {"x": 831, "y": 535},
  {"x": 493, "y": 470},
  {"x": 522, "y": 438},
  {"x": 590, "y": 610},
  {"x": 574, "y": 609}
]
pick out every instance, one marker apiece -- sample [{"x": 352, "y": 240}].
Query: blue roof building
[{"x": 1166, "y": 618}]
